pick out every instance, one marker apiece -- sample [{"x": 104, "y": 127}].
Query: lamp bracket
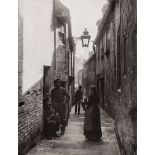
[{"x": 75, "y": 39}]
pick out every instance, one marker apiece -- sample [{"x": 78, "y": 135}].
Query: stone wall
[
  {"x": 59, "y": 67},
  {"x": 80, "y": 77},
  {"x": 60, "y": 61},
  {"x": 118, "y": 43},
  {"x": 88, "y": 74},
  {"x": 30, "y": 118},
  {"x": 126, "y": 105}
]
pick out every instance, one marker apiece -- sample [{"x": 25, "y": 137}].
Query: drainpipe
[
  {"x": 54, "y": 25},
  {"x": 94, "y": 49}
]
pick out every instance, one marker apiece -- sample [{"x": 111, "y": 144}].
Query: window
[{"x": 62, "y": 37}]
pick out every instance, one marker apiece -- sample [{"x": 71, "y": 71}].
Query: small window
[
  {"x": 62, "y": 37},
  {"x": 21, "y": 103}
]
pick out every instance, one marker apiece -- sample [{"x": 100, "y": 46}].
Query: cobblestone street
[{"x": 74, "y": 143}]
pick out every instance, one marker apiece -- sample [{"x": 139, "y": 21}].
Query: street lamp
[{"x": 85, "y": 38}]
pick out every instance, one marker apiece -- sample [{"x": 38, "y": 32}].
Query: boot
[{"x": 62, "y": 131}]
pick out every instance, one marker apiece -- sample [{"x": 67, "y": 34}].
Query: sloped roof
[{"x": 107, "y": 11}]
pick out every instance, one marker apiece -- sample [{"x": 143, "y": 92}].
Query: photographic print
[{"x": 77, "y": 77}]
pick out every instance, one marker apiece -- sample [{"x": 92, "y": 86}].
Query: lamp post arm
[{"x": 75, "y": 40}]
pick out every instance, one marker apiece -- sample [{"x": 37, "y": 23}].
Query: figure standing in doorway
[
  {"x": 78, "y": 98},
  {"x": 59, "y": 97}
]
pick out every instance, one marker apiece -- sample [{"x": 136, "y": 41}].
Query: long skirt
[
  {"x": 61, "y": 110},
  {"x": 92, "y": 124},
  {"x": 52, "y": 127}
]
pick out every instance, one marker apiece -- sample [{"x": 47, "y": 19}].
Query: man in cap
[{"x": 59, "y": 97}]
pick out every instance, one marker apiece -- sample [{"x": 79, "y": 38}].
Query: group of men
[{"x": 56, "y": 118}]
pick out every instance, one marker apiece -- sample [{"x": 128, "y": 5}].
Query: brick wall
[{"x": 30, "y": 118}]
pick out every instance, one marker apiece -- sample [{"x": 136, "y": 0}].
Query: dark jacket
[
  {"x": 78, "y": 95},
  {"x": 59, "y": 94},
  {"x": 93, "y": 100}
]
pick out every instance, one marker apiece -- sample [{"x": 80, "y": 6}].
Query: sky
[
  {"x": 84, "y": 14},
  {"x": 38, "y": 38}
]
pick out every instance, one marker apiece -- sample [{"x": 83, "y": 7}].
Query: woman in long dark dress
[{"x": 92, "y": 124}]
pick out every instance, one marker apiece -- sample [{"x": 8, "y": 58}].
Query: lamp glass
[
  {"x": 85, "y": 38},
  {"x": 85, "y": 42}
]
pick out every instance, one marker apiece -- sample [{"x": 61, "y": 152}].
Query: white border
[
  {"x": 9, "y": 77},
  {"x": 146, "y": 77}
]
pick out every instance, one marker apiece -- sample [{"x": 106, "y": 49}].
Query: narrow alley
[
  {"x": 77, "y": 53},
  {"x": 74, "y": 143}
]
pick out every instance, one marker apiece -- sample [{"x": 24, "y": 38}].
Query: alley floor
[{"x": 74, "y": 143}]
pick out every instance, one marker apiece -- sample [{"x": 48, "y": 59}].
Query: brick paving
[{"x": 74, "y": 143}]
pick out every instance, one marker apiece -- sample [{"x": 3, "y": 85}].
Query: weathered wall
[
  {"x": 88, "y": 74},
  {"x": 20, "y": 51},
  {"x": 30, "y": 118},
  {"x": 109, "y": 69},
  {"x": 80, "y": 77},
  {"x": 120, "y": 71},
  {"x": 61, "y": 60},
  {"x": 62, "y": 63},
  {"x": 37, "y": 39},
  {"x": 126, "y": 105},
  {"x": 30, "y": 110},
  {"x": 59, "y": 66}
]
